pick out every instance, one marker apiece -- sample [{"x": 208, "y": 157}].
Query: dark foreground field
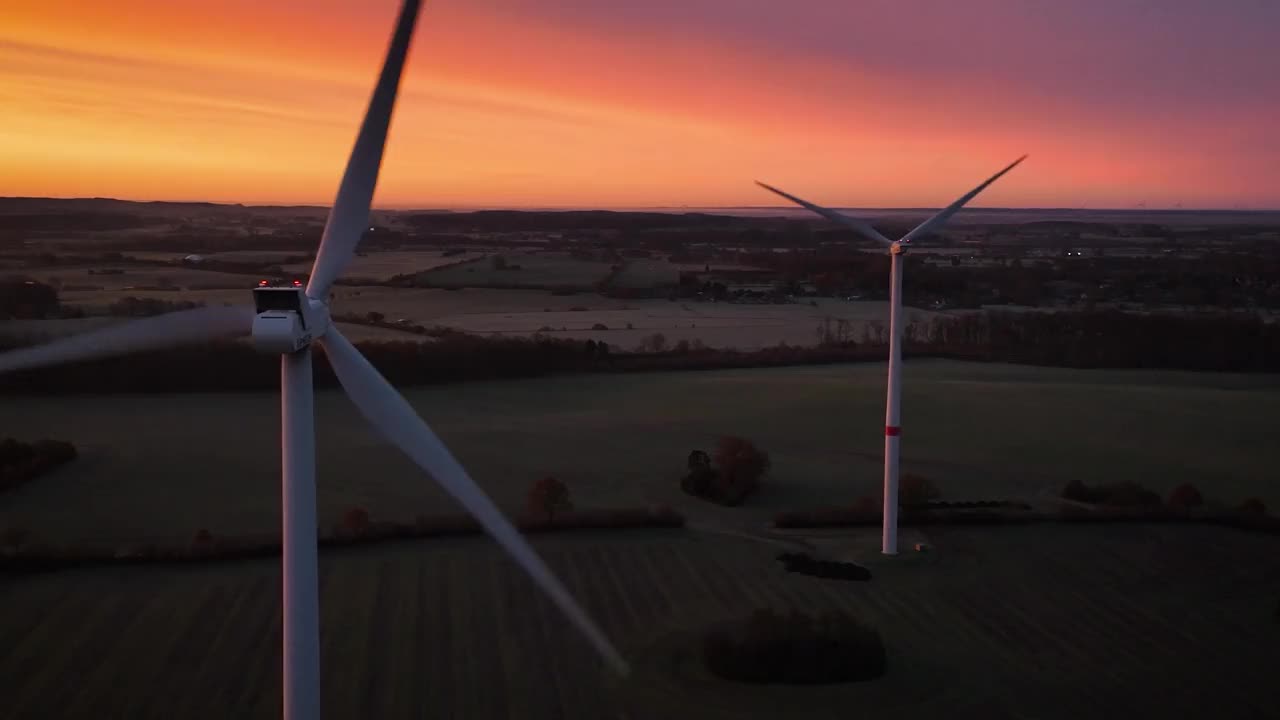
[
  {"x": 1038, "y": 622},
  {"x": 161, "y": 467}
]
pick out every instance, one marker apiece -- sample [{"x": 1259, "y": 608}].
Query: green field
[
  {"x": 161, "y": 467},
  {"x": 1043, "y": 622}
]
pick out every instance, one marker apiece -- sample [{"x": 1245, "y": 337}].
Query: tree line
[{"x": 1063, "y": 339}]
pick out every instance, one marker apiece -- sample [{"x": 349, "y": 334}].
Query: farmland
[
  {"x": 158, "y": 468},
  {"x": 1042, "y": 621},
  {"x": 123, "y": 278},
  {"x": 515, "y": 312},
  {"x": 468, "y": 291},
  {"x": 649, "y": 273},
  {"x": 1114, "y": 622},
  {"x": 45, "y": 330},
  {"x": 520, "y": 269},
  {"x": 387, "y": 264},
  {"x": 622, "y": 323}
]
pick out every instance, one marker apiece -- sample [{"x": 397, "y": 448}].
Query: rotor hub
[{"x": 287, "y": 320}]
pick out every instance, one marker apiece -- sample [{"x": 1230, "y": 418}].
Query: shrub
[
  {"x": 355, "y": 521},
  {"x": 1253, "y": 506},
  {"x": 654, "y": 343},
  {"x": 698, "y": 484},
  {"x": 1129, "y": 494},
  {"x": 737, "y": 477},
  {"x": 14, "y": 452},
  {"x": 1079, "y": 492},
  {"x": 57, "y": 451},
  {"x": 547, "y": 497},
  {"x": 202, "y": 542},
  {"x": 21, "y": 462},
  {"x": 701, "y": 478},
  {"x": 916, "y": 491},
  {"x": 599, "y": 326},
  {"x": 795, "y": 649},
  {"x": 14, "y": 538},
  {"x": 741, "y": 465},
  {"x": 867, "y": 504},
  {"x": 1186, "y": 496},
  {"x": 1121, "y": 494},
  {"x": 699, "y": 461},
  {"x": 806, "y": 564}
]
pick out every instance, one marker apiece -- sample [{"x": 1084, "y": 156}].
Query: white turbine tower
[
  {"x": 286, "y": 321},
  {"x": 892, "y": 419}
]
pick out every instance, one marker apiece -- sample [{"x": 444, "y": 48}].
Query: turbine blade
[
  {"x": 391, "y": 414},
  {"x": 861, "y": 227},
  {"x": 185, "y": 326},
  {"x": 937, "y": 220},
  {"x": 350, "y": 213}
]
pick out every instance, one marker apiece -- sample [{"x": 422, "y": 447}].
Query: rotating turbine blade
[
  {"x": 936, "y": 221},
  {"x": 859, "y": 226},
  {"x": 350, "y": 213},
  {"x": 391, "y": 414},
  {"x": 178, "y": 328}
]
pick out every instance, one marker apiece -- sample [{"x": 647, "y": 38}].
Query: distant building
[{"x": 193, "y": 259}]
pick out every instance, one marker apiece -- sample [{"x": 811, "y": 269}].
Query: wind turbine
[
  {"x": 892, "y": 421},
  {"x": 286, "y": 321}
]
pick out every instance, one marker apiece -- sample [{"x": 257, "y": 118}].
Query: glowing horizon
[{"x": 575, "y": 104}]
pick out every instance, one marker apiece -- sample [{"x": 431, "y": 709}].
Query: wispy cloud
[{"x": 576, "y": 102}]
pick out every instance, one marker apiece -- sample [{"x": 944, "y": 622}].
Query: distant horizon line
[{"x": 639, "y": 208}]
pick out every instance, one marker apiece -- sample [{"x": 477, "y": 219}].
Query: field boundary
[
  {"x": 34, "y": 559},
  {"x": 207, "y": 549},
  {"x": 823, "y": 518}
]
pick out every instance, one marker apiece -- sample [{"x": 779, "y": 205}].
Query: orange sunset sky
[{"x": 578, "y": 103}]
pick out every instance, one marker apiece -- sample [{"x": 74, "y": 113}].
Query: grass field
[
  {"x": 1043, "y": 622},
  {"x": 647, "y": 273},
  {"x": 160, "y": 467}
]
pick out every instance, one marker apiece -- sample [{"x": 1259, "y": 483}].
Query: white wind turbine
[
  {"x": 286, "y": 321},
  {"x": 892, "y": 422}
]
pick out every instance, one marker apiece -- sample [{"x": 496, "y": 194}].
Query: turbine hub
[
  {"x": 897, "y": 248},
  {"x": 287, "y": 320}
]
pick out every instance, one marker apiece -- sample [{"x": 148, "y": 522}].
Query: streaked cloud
[{"x": 570, "y": 102}]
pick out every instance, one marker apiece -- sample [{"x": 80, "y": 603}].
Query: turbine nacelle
[
  {"x": 898, "y": 247},
  {"x": 287, "y": 320}
]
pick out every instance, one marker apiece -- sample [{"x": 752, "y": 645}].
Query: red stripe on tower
[{"x": 892, "y": 430}]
